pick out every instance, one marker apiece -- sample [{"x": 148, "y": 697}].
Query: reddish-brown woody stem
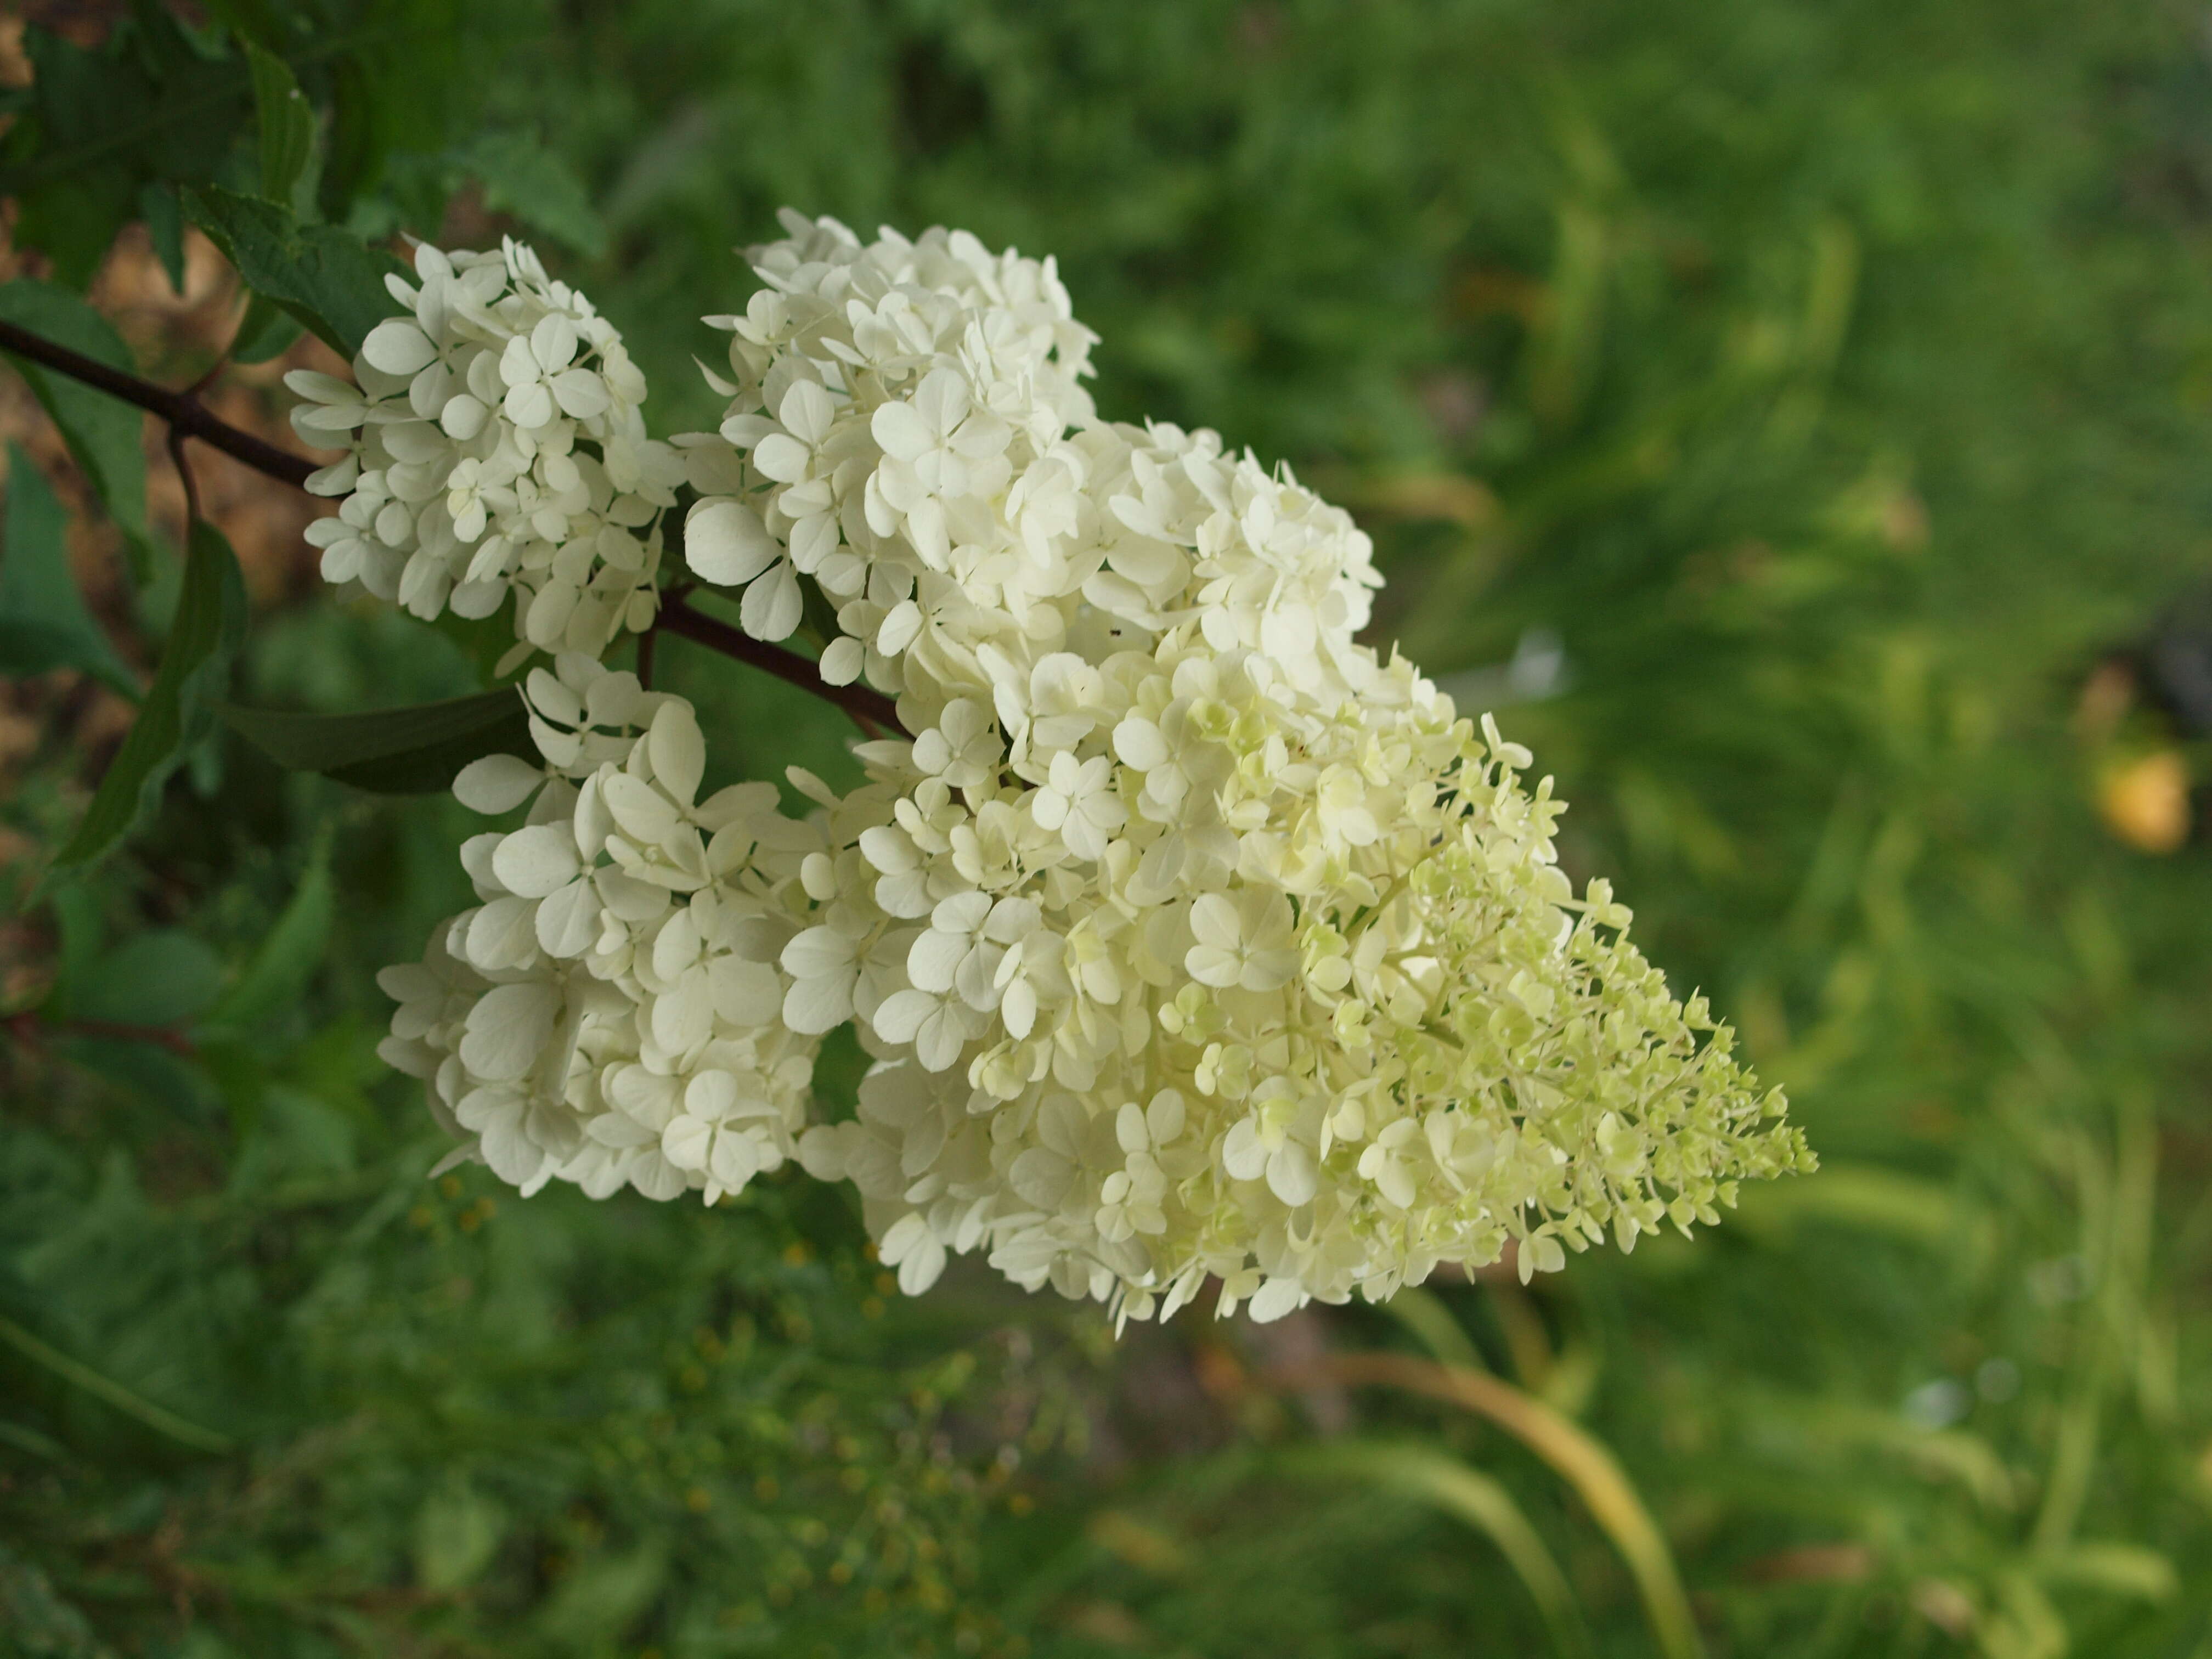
[
  {"x": 870, "y": 707},
  {"x": 183, "y": 410}
]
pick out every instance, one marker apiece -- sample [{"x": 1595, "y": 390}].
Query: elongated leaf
[
  {"x": 1582, "y": 1460},
  {"x": 1431, "y": 1475},
  {"x": 111, "y": 1393},
  {"x": 103, "y": 434},
  {"x": 414, "y": 751},
  {"x": 288, "y": 955},
  {"x": 328, "y": 278},
  {"x": 286, "y": 121},
  {"x": 187, "y": 686},
  {"x": 43, "y": 621},
  {"x": 531, "y": 180},
  {"x": 163, "y": 976},
  {"x": 1424, "y": 1314},
  {"x": 165, "y": 228}
]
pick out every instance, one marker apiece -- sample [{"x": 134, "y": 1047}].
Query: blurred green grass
[{"x": 1831, "y": 380}]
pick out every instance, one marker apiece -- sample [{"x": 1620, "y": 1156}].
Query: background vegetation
[{"x": 1791, "y": 415}]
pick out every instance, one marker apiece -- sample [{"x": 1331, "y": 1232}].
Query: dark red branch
[
  {"x": 183, "y": 410},
  {"x": 869, "y": 707},
  {"x": 189, "y": 418}
]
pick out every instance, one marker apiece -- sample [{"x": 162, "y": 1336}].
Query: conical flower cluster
[{"x": 1191, "y": 937}]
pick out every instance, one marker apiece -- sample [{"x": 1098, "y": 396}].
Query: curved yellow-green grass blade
[{"x": 1581, "y": 1460}]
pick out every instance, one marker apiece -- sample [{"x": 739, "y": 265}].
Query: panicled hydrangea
[
  {"x": 1190, "y": 938},
  {"x": 496, "y": 446}
]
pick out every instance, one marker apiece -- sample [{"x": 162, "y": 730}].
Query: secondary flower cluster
[
  {"x": 602, "y": 1016},
  {"x": 497, "y": 446},
  {"x": 1190, "y": 938}
]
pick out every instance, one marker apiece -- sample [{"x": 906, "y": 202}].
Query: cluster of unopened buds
[{"x": 1190, "y": 938}]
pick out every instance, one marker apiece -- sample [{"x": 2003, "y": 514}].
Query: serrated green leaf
[
  {"x": 286, "y": 122},
  {"x": 284, "y": 960},
  {"x": 525, "y": 176},
  {"x": 102, "y": 433},
  {"x": 414, "y": 751},
  {"x": 155, "y": 101},
  {"x": 187, "y": 686},
  {"x": 44, "y": 624},
  {"x": 328, "y": 278}
]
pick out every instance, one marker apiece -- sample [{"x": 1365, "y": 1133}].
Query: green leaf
[
  {"x": 44, "y": 624},
  {"x": 328, "y": 278},
  {"x": 414, "y": 750},
  {"x": 155, "y": 101},
  {"x": 266, "y": 330},
  {"x": 164, "y": 976},
  {"x": 290, "y": 953},
  {"x": 165, "y": 228},
  {"x": 195, "y": 666},
  {"x": 457, "y": 1533},
  {"x": 102, "y": 433},
  {"x": 111, "y": 1393},
  {"x": 286, "y": 122},
  {"x": 526, "y": 176}
]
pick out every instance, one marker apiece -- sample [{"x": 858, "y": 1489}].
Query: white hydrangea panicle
[
  {"x": 497, "y": 446},
  {"x": 1191, "y": 938},
  {"x": 607, "y": 1014}
]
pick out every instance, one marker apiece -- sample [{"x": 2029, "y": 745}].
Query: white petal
[
  {"x": 815, "y": 1005},
  {"x": 772, "y": 605},
  {"x": 935, "y": 958},
  {"x": 1274, "y": 1299},
  {"x": 497, "y": 783},
  {"x": 807, "y": 411},
  {"x": 684, "y": 1016},
  {"x": 508, "y": 1028},
  {"x": 684, "y": 1142},
  {"x": 734, "y": 1161},
  {"x": 1290, "y": 1175},
  {"x": 553, "y": 342},
  {"x": 536, "y": 861},
  {"x": 529, "y": 406},
  {"x": 903, "y": 434},
  {"x": 464, "y": 416},
  {"x": 397, "y": 347},
  {"x": 901, "y": 1014},
  {"x": 1242, "y": 1154},
  {"x": 581, "y": 393},
  {"x": 782, "y": 457},
  {"x": 1214, "y": 921},
  {"x": 568, "y": 921},
  {"x": 747, "y": 993},
  {"x": 724, "y": 542},
  {"x": 817, "y": 953},
  {"x": 678, "y": 751}
]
